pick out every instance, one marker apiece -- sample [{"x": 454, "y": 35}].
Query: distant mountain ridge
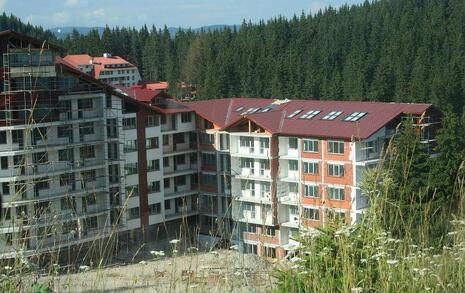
[{"x": 63, "y": 32}]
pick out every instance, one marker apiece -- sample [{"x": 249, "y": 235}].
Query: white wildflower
[
  {"x": 452, "y": 233},
  {"x": 392, "y": 262},
  {"x": 143, "y": 262},
  {"x": 175, "y": 241},
  {"x": 295, "y": 259},
  {"x": 157, "y": 253},
  {"x": 356, "y": 290},
  {"x": 8, "y": 268},
  {"x": 234, "y": 247},
  {"x": 84, "y": 268},
  {"x": 192, "y": 249}
]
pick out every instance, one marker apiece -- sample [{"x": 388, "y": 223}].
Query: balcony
[
  {"x": 290, "y": 199},
  {"x": 292, "y": 222},
  {"x": 183, "y": 212}
]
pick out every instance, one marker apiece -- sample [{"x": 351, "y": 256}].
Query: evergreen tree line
[{"x": 387, "y": 50}]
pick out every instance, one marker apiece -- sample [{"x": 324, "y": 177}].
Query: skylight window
[
  {"x": 295, "y": 113},
  {"x": 355, "y": 116},
  {"x": 265, "y": 110},
  {"x": 310, "y": 114},
  {"x": 239, "y": 109},
  {"x": 332, "y": 115},
  {"x": 254, "y": 110}
]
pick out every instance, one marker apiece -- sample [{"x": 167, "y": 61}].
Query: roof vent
[{"x": 106, "y": 55}]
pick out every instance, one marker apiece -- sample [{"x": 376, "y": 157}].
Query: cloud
[
  {"x": 71, "y": 3},
  {"x": 99, "y": 13},
  {"x": 60, "y": 17}
]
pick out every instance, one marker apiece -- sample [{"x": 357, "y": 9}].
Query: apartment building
[
  {"x": 109, "y": 69},
  {"x": 81, "y": 160},
  {"x": 296, "y": 165}
]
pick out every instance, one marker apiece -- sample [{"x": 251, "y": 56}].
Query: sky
[{"x": 174, "y": 13}]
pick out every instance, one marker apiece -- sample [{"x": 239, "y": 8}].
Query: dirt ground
[{"x": 216, "y": 271}]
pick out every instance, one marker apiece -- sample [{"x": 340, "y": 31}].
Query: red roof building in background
[{"x": 110, "y": 69}]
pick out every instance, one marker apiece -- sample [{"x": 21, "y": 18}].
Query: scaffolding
[{"x": 47, "y": 190}]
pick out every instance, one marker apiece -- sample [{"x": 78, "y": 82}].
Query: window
[
  {"x": 206, "y": 138},
  {"x": 153, "y": 165},
  {"x": 4, "y": 163},
  {"x": 130, "y": 146},
  {"x": 336, "y": 147},
  {"x": 250, "y": 248},
  {"x": 85, "y": 104},
  {"x": 132, "y": 190},
  {"x": 133, "y": 213},
  {"x": 310, "y": 167},
  {"x": 208, "y": 159},
  {"x": 166, "y": 183},
  {"x": 336, "y": 193},
  {"x": 311, "y": 191},
  {"x": 155, "y": 209},
  {"x": 130, "y": 168},
  {"x": 312, "y": 214},
  {"x": 295, "y": 113},
  {"x": 332, "y": 115},
  {"x": 2, "y": 137},
  {"x": 112, "y": 128},
  {"x": 186, "y": 117},
  {"x": 311, "y": 145},
  {"x": 86, "y": 128},
  {"x": 180, "y": 180},
  {"x": 113, "y": 153},
  {"x": 152, "y": 120},
  {"x": 87, "y": 152},
  {"x": 68, "y": 203},
  {"x": 269, "y": 252},
  {"x": 179, "y": 160},
  {"x": 5, "y": 188},
  {"x": 166, "y": 139},
  {"x": 92, "y": 223},
  {"x": 151, "y": 143},
  {"x": 337, "y": 216},
  {"x": 65, "y": 131},
  {"x": 247, "y": 163},
  {"x": 246, "y": 141},
  {"x": 293, "y": 188},
  {"x": 270, "y": 231},
  {"x": 293, "y": 143},
  {"x": 129, "y": 123},
  {"x": 355, "y": 116},
  {"x": 239, "y": 109},
  {"x": 40, "y": 158},
  {"x": 167, "y": 204},
  {"x": 166, "y": 162},
  {"x": 293, "y": 165},
  {"x": 335, "y": 170},
  {"x": 208, "y": 179},
  {"x": 310, "y": 114},
  {"x": 89, "y": 176},
  {"x": 154, "y": 186},
  {"x": 251, "y": 228},
  {"x": 66, "y": 179}
]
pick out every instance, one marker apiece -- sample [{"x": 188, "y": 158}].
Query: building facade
[
  {"x": 82, "y": 160},
  {"x": 109, "y": 69}
]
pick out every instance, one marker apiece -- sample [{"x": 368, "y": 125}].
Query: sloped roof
[
  {"x": 276, "y": 120},
  {"x": 98, "y": 62},
  {"x": 223, "y": 112}
]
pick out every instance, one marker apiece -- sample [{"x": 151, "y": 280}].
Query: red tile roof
[
  {"x": 160, "y": 85},
  {"x": 223, "y": 112},
  {"x": 276, "y": 122},
  {"x": 157, "y": 99},
  {"x": 98, "y": 62}
]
